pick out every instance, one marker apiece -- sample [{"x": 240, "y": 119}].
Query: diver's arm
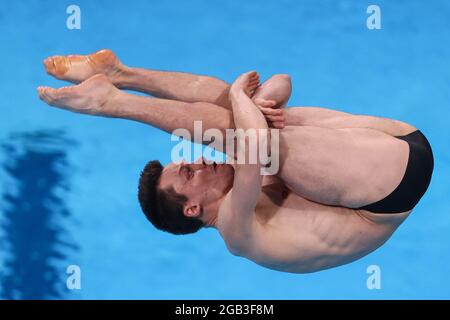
[
  {"x": 237, "y": 209},
  {"x": 248, "y": 177}
]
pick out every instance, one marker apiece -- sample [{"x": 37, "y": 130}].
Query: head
[{"x": 182, "y": 198}]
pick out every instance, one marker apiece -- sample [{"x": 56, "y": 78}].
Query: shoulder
[{"x": 236, "y": 231}]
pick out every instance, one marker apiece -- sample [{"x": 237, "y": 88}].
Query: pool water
[{"x": 68, "y": 182}]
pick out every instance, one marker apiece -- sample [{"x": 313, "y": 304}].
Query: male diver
[{"x": 345, "y": 182}]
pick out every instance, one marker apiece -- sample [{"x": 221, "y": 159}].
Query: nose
[
  {"x": 202, "y": 163},
  {"x": 200, "y": 160}
]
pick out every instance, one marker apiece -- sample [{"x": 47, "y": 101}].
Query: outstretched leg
[
  {"x": 98, "y": 96},
  {"x": 167, "y": 85}
]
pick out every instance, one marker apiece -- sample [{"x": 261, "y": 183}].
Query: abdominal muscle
[{"x": 301, "y": 236}]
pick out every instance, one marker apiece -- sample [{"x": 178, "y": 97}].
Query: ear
[{"x": 192, "y": 210}]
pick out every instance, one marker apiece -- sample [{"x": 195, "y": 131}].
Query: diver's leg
[
  {"x": 198, "y": 88},
  {"x": 98, "y": 96},
  {"x": 277, "y": 88},
  {"x": 328, "y": 118},
  {"x": 167, "y": 85},
  {"x": 349, "y": 167}
]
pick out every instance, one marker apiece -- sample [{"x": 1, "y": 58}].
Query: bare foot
[
  {"x": 77, "y": 68},
  {"x": 89, "y": 97},
  {"x": 246, "y": 82}
]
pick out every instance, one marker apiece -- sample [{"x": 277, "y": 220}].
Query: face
[{"x": 201, "y": 183}]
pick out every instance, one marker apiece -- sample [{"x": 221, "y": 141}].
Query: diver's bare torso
[{"x": 293, "y": 234}]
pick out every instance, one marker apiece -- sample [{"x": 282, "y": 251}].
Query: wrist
[{"x": 236, "y": 94}]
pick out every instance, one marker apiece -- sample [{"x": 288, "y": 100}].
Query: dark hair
[{"x": 164, "y": 208}]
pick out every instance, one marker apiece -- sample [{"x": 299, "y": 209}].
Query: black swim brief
[{"x": 415, "y": 181}]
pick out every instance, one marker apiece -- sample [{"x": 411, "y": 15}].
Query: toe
[
  {"x": 61, "y": 65},
  {"x": 40, "y": 91},
  {"x": 50, "y": 95},
  {"x": 49, "y": 65},
  {"x": 57, "y": 65},
  {"x": 43, "y": 94}
]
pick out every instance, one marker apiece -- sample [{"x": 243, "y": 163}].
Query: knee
[
  {"x": 283, "y": 86},
  {"x": 282, "y": 78},
  {"x": 278, "y": 88}
]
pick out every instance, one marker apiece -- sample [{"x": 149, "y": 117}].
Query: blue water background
[{"x": 68, "y": 182}]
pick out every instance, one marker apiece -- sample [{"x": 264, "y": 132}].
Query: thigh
[
  {"x": 389, "y": 126},
  {"x": 311, "y": 116},
  {"x": 328, "y": 118},
  {"x": 348, "y": 167}
]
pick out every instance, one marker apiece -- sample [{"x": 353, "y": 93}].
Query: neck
[
  {"x": 211, "y": 214},
  {"x": 211, "y": 222}
]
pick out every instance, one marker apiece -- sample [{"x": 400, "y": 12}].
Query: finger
[
  {"x": 275, "y": 118},
  {"x": 265, "y": 103},
  {"x": 272, "y": 125},
  {"x": 276, "y": 125},
  {"x": 271, "y": 112}
]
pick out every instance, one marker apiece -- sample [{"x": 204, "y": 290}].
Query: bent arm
[
  {"x": 239, "y": 205},
  {"x": 248, "y": 179}
]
